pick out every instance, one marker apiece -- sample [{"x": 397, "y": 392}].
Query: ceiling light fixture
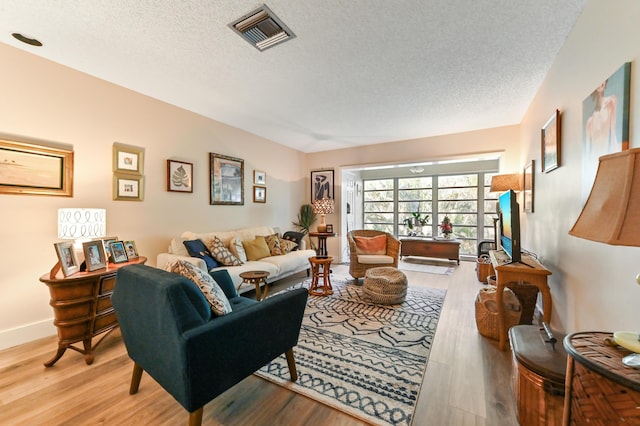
[
  {"x": 27, "y": 40},
  {"x": 416, "y": 169},
  {"x": 262, "y": 28}
]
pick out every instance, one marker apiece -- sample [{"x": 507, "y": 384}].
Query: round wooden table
[
  {"x": 320, "y": 268},
  {"x": 256, "y": 278}
]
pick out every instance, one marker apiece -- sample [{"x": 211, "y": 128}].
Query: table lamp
[
  {"x": 80, "y": 225},
  {"x": 611, "y": 215},
  {"x": 323, "y": 207}
]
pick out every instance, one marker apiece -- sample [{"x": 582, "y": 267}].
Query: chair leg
[
  {"x": 291, "y": 362},
  {"x": 135, "y": 379},
  {"x": 195, "y": 418}
]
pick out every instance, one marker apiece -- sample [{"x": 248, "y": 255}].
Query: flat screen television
[{"x": 510, "y": 226}]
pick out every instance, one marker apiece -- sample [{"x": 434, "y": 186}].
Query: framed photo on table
[
  {"x": 94, "y": 255},
  {"x": 322, "y": 185},
  {"x": 106, "y": 242},
  {"x": 226, "y": 178},
  {"x": 551, "y": 143},
  {"x": 118, "y": 252},
  {"x": 130, "y": 248},
  {"x": 179, "y": 176},
  {"x": 67, "y": 258}
]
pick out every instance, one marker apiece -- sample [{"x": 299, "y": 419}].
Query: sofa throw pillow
[
  {"x": 371, "y": 245},
  {"x": 196, "y": 248},
  {"x": 210, "y": 289},
  {"x": 273, "y": 242},
  {"x": 222, "y": 254},
  {"x": 236, "y": 247},
  {"x": 256, "y": 249},
  {"x": 296, "y": 237},
  {"x": 287, "y": 246}
]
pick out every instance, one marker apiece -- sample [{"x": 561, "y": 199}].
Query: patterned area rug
[
  {"x": 429, "y": 266},
  {"x": 364, "y": 359}
]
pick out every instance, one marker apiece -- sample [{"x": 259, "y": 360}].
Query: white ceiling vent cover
[{"x": 262, "y": 28}]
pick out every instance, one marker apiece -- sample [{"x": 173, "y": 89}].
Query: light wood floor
[{"x": 467, "y": 381}]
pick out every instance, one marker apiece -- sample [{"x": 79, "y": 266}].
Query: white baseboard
[{"x": 27, "y": 333}]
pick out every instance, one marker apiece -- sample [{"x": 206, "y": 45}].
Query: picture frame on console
[
  {"x": 67, "y": 258},
  {"x": 131, "y": 249},
  {"x": 550, "y": 142},
  {"x": 322, "y": 185},
  {"x": 118, "y": 252},
  {"x": 94, "y": 255},
  {"x": 106, "y": 242},
  {"x": 35, "y": 169},
  {"x": 329, "y": 228},
  {"x": 226, "y": 179},
  {"x": 528, "y": 186},
  {"x": 179, "y": 176}
]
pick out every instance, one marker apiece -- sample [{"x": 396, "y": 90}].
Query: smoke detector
[{"x": 262, "y": 28}]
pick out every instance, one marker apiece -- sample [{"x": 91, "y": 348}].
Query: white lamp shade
[{"x": 74, "y": 224}]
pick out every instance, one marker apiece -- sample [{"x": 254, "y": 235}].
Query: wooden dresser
[
  {"x": 429, "y": 247},
  {"x": 82, "y": 308}
]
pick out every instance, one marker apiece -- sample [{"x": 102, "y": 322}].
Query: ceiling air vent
[{"x": 262, "y": 28}]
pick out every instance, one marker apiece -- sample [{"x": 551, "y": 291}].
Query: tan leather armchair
[{"x": 360, "y": 262}]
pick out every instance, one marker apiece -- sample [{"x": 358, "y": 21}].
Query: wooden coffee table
[{"x": 256, "y": 278}]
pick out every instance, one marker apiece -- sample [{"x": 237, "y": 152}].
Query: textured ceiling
[{"x": 358, "y": 72}]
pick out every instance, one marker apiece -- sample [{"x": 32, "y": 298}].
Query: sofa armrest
[{"x": 164, "y": 259}]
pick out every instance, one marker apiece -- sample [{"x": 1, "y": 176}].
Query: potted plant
[
  {"x": 416, "y": 220},
  {"x": 306, "y": 217},
  {"x": 446, "y": 227}
]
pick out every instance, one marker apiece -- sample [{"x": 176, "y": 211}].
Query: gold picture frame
[
  {"x": 31, "y": 169},
  {"x": 128, "y": 159},
  {"x": 259, "y": 194},
  {"x": 550, "y": 142},
  {"x": 128, "y": 187},
  {"x": 259, "y": 177}
]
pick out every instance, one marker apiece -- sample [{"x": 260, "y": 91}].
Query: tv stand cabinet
[{"x": 531, "y": 272}]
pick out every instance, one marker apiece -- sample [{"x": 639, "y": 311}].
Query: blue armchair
[{"x": 170, "y": 332}]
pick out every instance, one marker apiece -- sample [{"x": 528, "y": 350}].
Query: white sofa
[{"x": 278, "y": 266}]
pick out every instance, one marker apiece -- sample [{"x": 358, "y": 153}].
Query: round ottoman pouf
[{"x": 385, "y": 285}]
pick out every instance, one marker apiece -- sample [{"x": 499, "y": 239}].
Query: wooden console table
[
  {"x": 506, "y": 273},
  {"x": 428, "y": 247},
  {"x": 82, "y": 308}
]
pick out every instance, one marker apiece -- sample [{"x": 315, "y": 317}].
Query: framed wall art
[
  {"x": 35, "y": 170},
  {"x": 259, "y": 194},
  {"x": 128, "y": 159},
  {"x": 259, "y": 178},
  {"x": 322, "y": 185},
  {"x": 551, "y": 143},
  {"x": 94, "y": 255},
  {"x": 528, "y": 186},
  {"x": 67, "y": 258},
  {"x": 128, "y": 187},
  {"x": 605, "y": 120},
  {"x": 179, "y": 176},
  {"x": 226, "y": 178},
  {"x": 118, "y": 253}
]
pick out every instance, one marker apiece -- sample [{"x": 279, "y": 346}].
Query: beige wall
[
  {"x": 593, "y": 284},
  {"x": 48, "y": 103}
]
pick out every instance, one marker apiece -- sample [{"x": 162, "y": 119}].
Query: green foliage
[{"x": 306, "y": 218}]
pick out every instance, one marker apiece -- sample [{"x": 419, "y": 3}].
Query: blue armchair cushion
[
  {"x": 196, "y": 248},
  {"x": 215, "y": 295}
]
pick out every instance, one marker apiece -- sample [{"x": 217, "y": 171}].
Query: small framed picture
[
  {"x": 259, "y": 178},
  {"x": 118, "y": 253},
  {"x": 128, "y": 159},
  {"x": 67, "y": 258},
  {"x": 179, "y": 176},
  {"x": 329, "y": 228},
  {"x": 551, "y": 143},
  {"x": 259, "y": 194},
  {"x": 106, "y": 241},
  {"x": 94, "y": 255},
  {"x": 132, "y": 251},
  {"x": 527, "y": 183},
  {"x": 322, "y": 185},
  {"x": 128, "y": 187}
]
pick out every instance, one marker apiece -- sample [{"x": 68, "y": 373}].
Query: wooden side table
[
  {"x": 322, "y": 241},
  {"x": 320, "y": 268},
  {"x": 600, "y": 389},
  {"x": 82, "y": 307},
  {"x": 536, "y": 275},
  {"x": 256, "y": 278}
]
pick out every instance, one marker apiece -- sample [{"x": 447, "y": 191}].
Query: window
[{"x": 464, "y": 198}]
